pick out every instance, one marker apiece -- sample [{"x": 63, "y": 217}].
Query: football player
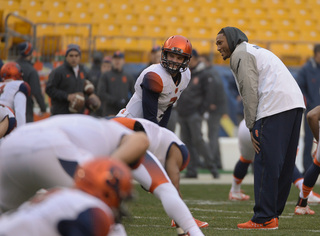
[
  {"x": 14, "y": 92},
  {"x": 312, "y": 173},
  {"x": 89, "y": 208},
  {"x": 167, "y": 148},
  {"x": 7, "y": 121},
  {"x": 46, "y": 153},
  {"x": 241, "y": 168},
  {"x": 160, "y": 85}
]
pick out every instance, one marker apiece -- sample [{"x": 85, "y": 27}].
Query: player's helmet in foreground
[
  {"x": 11, "y": 70},
  {"x": 179, "y": 45},
  {"x": 105, "y": 178}
]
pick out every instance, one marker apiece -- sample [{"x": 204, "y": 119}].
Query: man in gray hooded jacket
[{"x": 273, "y": 107}]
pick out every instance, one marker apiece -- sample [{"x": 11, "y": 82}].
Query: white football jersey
[
  {"x": 162, "y": 83},
  {"x": 43, "y": 217},
  {"x": 14, "y": 94},
  {"x": 160, "y": 139}
]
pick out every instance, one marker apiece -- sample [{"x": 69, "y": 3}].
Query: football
[
  {"x": 88, "y": 87},
  {"x": 77, "y": 104},
  {"x": 93, "y": 102}
]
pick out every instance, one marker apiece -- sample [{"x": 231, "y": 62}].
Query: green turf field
[{"x": 210, "y": 203}]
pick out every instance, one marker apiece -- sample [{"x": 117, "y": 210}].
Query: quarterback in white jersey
[
  {"x": 46, "y": 153},
  {"x": 14, "y": 91},
  {"x": 160, "y": 85},
  {"x": 83, "y": 210}
]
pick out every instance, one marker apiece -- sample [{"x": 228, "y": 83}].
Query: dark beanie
[
  {"x": 73, "y": 47},
  {"x": 25, "y": 49}
]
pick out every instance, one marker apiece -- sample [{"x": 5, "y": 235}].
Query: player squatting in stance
[
  {"x": 312, "y": 173},
  {"x": 88, "y": 208},
  {"x": 13, "y": 93},
  {"x": 160, "y": 85},
  {"x": 167, "y": 148},
  {"x": 46, "y": 153},
  {"x": 241, "y": 168}
]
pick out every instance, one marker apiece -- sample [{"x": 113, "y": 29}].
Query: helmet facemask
[{"x": 171, "y": 66}]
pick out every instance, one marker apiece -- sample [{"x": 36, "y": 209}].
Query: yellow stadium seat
[
  {"x": 313, "y": 4},
  {"x": 310, "y": 35},
  {"x": 11, "y": 5},
  {"x": 283, "y": 49},
  {"x": 266, "y": 35},
  {"x": 145, "y": 19},
  {"x": 236, "y": 12},
  {"x": 229, "y": 3},
  {"x": 109, "y": 30},
  {"x": 305, "y": 24},
  {"x": 102, "y": 43},
  {"x": 98, "y": 7},
  {"x": 256, "y": 13},
  {"x": 261, "y": 24},
  {"x": 76, "y": 6},
  {"x": 216, "y": 24},
  {"x": 284, "y": 24},
  {"x": 278, "y": 13},
  {"x": 239, "y": 22},
  {"x": 80, "y": 17},
  {"x": 31, "y": 4},
  {"x": 166, "y": 10},
  {"x": 202, "y": 46},
  {"x": 132, "y": 30},
  {"x": 126, "y": 19},
  {"x": 186, "y": 3},
  {"x": 144, "y": 8},
  {"x": 59, "y": 16},
  {"x": 194, "y": 21},
  {"x": 201, "y": 33},
  {"x": 251, "y": 3},
  {"x": 37, "y": 16},
  {"x": 103, "y": 18},
  {"x": 155, "y": 31},
  {"x": 171, "y": 20},
  {"x": 188, "y": 11},
  {"x": 46, "y": 29},
  {"x": 273, "y": 4},
  {"x": 300, "y": 13},
  {"x": 212, "y": 12},
  {"x": 120, "y": 8},
  {"x": 66, "y": 29},
  {"x": 305, "y": 50},
  {"x": 55, "y": 5},
  {"x": 289, "y": 35},
  {"x": 176, "y": 30}
]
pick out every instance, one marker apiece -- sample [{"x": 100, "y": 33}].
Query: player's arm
[
  {"x": 151, "y": 88},
  {"x": 52, "y": 87},
  {"x": 34, "y": 83},
  {"x": 132, "y": 148},
  {"x": 313, "y": 118},
  {"x": 20, "y": 103},
  {"x": 166, "y": 116},
  {"x": 92, "y": 221}
]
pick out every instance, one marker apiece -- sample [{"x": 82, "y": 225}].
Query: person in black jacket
[
  {"x": 192, "y": 104},
  {"x": 115, "y": 87},
  {"x": 31, "y": 76},
  {"x": 66, "y": 81}
]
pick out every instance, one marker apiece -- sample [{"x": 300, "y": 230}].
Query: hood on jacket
[{"x": 234, "y": 37}]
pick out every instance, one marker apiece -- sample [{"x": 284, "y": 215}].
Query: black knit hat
[
  {"x": 73, "y": 47},
  {"x": 25, "y": 49}
]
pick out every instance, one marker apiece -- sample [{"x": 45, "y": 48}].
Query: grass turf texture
[{"x": 210, "y": 203}]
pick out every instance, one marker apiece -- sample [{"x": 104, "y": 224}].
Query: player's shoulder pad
[
  {"x": 153, "y": 82},
  {"x": 25, "y": 88}
]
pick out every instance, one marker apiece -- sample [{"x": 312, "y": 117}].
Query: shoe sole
[{"x": 259, "y": 228}]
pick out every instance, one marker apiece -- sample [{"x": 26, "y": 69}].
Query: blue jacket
[{"x": 308, "y": 79}]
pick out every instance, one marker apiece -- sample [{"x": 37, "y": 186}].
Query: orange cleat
[
  {"x": 201, "y": 224},
  {"x": 299, "y": 210},
  {"x": 271, "y": 224}
]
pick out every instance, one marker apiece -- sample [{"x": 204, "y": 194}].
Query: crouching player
[
  {"x": 87, "y": 209},
  {"x": 172, "y": 156}
]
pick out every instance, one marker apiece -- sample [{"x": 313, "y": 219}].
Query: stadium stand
[{"x": 291, "y": 26}]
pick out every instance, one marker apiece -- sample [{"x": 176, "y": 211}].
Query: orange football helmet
[
  {"x": 105, "y": 178},
  {"x": 11, "y": 70},
  {"x": 179, "y": 45}
]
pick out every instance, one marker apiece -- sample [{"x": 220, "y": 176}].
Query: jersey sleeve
[
  {"x": 92, "y": 221},
  {"x": 25, "y": 89},
  {"x": 152, "y": 81}
]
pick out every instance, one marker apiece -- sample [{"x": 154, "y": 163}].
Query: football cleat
[
  {"x": 299, "y": 210},
  {"x": 238, "y": 196},
  {"x": 314, "y": 197},
  {"x": 271, "y": 224},
  {"x": 201, "y": 224}
]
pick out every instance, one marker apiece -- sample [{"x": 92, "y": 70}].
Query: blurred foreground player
[
  {"x": 89, "y": 208},
  {"x": 46, "y": 153},
  {"x": 167, "y": 148},
  {"x": 14, "y": 92},
  {"x": 159, "y": 172},
  {"x": 160, "y": 85},
  {"x": 312, "y": 173}
]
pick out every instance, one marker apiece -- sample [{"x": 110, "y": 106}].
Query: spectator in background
[
  {"x": 217, "y": 108},
  {"x": 155, "y": 55},
  {"x": 1, "y": 63},
  {"x": 191, "y": 106},
  {"x": 31, "y": 76},
  {"x": 308, "y": 79},
  {"x": 95, "y": 71},
  {"x": 115, "y": 87},
  {"x": 106, "y": 65},
  {"x": 66, "y": 81}
]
